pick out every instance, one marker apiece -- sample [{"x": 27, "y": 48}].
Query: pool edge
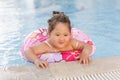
[{"x": 60, "y": 70}]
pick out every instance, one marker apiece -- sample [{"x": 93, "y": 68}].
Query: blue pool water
[{"x": 100, "y": 19}]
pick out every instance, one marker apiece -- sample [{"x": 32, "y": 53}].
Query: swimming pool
[{"x": 99, "y": 19}]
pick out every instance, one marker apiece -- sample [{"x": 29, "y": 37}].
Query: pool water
[{"x": 99, "y": 19}]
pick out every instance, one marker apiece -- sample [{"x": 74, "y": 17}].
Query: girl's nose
[{"x": 61, "y": 38}]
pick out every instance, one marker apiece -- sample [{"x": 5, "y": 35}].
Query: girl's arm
[
  {"x": 85, "y": 55},
  {"x": 86, "y": 51},
  {"x": 31, "y": 56}
]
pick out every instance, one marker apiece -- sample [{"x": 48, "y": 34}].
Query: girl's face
[{"x": 60, "y": 36}]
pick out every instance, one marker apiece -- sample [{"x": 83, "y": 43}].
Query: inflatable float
[{"x": 40, "y": 35}]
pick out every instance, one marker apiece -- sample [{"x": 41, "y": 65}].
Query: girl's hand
[
  {"x": 40, "y": 63},
  {"x": 84, "y": 58}
]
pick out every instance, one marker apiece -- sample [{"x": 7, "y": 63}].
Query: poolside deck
[{"x": 99, "y": 69}]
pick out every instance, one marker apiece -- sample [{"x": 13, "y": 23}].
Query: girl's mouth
[{"x": 61, "y": 42}]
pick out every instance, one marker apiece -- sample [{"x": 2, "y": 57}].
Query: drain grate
[{"x": 113, "y": 75}]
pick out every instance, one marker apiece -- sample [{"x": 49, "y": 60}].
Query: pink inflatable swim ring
[{"x": 40, "y": 35}]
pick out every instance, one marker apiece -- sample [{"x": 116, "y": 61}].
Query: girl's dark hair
[{"x": 57, "y": 18}]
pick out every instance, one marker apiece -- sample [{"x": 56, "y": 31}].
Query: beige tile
[{"x": 64, "y": 70}]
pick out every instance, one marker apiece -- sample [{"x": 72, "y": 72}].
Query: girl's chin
[{"x": 61, "y": 47}]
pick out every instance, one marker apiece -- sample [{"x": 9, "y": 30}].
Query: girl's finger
[
  {"x": 45, "y": 64},
  {"x": 86, "y": 61},
  {"x": 89, "y": 59}
]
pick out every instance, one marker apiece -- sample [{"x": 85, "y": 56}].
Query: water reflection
[{"x": 99, "y": 19}]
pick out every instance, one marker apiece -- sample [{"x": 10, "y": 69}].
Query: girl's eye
[
  {"x": 57, "y": 35},
  {"x": 65, "y": 35}
]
